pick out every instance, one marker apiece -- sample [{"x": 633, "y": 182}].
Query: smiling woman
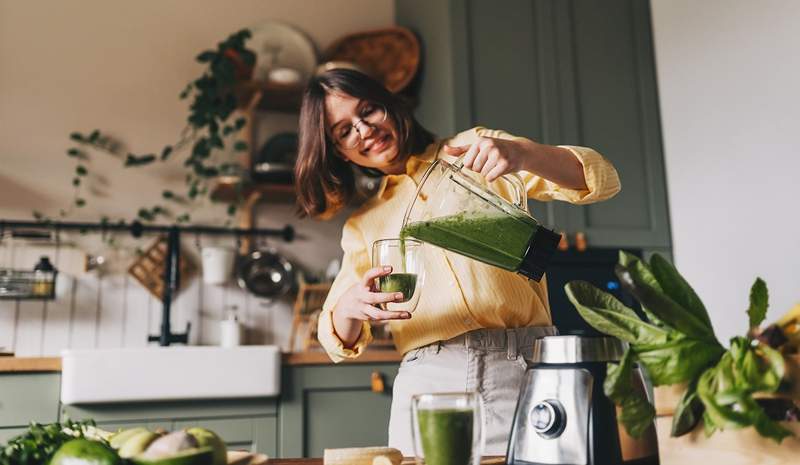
[
  {"x": 347, "y": 116},
  {"x": 473, "y": 324}
]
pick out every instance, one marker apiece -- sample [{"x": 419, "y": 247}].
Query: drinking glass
[
  {"x": 447, "y": 428},
  {"x": 408, "y": 272}
]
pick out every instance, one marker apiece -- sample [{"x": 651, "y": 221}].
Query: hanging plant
[{"x": 209, "y": 129}]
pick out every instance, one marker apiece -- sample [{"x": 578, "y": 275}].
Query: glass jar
[{"x": 44, "y": 278}]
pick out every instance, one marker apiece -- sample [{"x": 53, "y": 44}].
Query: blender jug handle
[
  {"x": 521, "y": 194},
  {"x": 518, "y": 186}
]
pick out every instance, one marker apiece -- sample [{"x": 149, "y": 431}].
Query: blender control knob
[{"x": 548, "y": 418}]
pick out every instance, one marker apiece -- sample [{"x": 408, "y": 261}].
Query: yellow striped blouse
[{"x": 459, "y": 294}]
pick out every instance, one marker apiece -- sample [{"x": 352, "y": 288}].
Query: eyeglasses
[{"x": 349, "y": 136}]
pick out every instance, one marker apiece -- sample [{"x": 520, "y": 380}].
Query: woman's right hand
[{"x": 360, "y": 303}]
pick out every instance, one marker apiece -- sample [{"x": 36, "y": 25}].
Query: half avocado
[{"x": 194, "y": 456}]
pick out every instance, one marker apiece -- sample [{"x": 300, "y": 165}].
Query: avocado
[
  {"x": 193, "y": 456},
  {"x": 85, "y": 452}
]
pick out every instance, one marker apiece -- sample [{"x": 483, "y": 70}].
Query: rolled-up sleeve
[
  {"x": 602, "y": 180},
  {"x": 355, "y": 263}
]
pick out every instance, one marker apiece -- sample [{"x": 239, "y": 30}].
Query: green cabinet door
[
  {"x": 27, "y": 397},
  {"x": 7, "y": 433},
  {"x": 327, "y": 406},
  {"x": 574, "y": 72},
  {"x": 245, "y": 424}
]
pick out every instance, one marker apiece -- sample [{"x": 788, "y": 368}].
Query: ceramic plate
[{"x": 281, "y": 45}]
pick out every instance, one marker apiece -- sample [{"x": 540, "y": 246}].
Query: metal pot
[{"x": 265, "y": 273}]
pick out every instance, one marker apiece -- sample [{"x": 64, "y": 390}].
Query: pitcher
[{"x": 455, "y": 211}]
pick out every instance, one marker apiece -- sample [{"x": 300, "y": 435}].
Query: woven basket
[{"x": 390, "y": 55}]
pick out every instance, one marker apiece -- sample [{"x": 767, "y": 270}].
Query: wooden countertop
[
  {"x": 29, "y": 364},
  {"x": 406, "y": 461},
  {"x": 46, "y": 364}
]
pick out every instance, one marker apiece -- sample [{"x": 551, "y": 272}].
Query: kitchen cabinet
[
  {"x": 316, "y": 400},
  {"x": 576, "y": 72},
  {"x": 27, "y": 397},
  {"x": 247, "y": 424},
  {"x": 333, "y": 406},
  {"x": 7, "y": 433}
]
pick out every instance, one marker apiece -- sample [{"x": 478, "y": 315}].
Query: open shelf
[
  {"x": 225, "y": 190},
  {"x": 284, "y": 98}
]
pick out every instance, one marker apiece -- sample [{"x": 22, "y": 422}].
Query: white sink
[{"x": 169, "y": 373}]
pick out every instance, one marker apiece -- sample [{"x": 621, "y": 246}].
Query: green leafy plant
[
  {"x": 676, "y": 344},
  {"x": 39, "y": 442},
  {"x": 209, "y": 129}
]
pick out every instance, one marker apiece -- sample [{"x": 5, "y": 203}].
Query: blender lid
[{"x": 577, "y": 349}]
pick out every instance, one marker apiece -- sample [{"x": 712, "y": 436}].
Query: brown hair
[{"x": 325, "y": 181}]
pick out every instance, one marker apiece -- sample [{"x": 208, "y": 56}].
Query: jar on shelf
[{"x": 44, "y": 278}]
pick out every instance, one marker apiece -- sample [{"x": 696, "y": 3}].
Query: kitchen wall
[
  {"x": 728, "y": 76},
  {"x": 118, "y": 67}
]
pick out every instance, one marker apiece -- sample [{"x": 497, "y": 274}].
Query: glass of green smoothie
[
  {"x": 447, "y": 428},
  {"x": 405, "y": 258}
]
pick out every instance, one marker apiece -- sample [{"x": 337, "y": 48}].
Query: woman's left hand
[{"x": 492, "y": 157}]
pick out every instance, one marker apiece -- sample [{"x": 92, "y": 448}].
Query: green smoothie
[
  {"x": 500, "y": 240},
  {"x": 446, "y": 436},
  {"x": 399, "y": 282}
]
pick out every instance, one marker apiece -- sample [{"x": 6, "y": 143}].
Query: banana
[
  {"x": 362, "y": 456},
  {"x": 792, "y": 317},
  {"x": 119, "y": 438},
  {"x": 136, "y": 444}
]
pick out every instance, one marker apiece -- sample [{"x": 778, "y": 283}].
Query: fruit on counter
[
  {"x": 39, "y": 442},
  {"x": 119, "y": 438},
  {"x": 194, "y": 446},
  {"x": 137, "y": 444},
  {"x": 85, "y": 452},
  {"x": 362, "y": 456},
  {"x": 192, "y": 456},
  {"x": 169, "y": 444},
  {"x": 207, "y": 438}
]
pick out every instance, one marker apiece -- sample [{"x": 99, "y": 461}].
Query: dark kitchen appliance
[
  {"x": 564, "y": 418},
  {"x": 595, "y": 265}
]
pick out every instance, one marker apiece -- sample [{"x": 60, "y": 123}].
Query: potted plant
[{"x": 750, "y": 383}]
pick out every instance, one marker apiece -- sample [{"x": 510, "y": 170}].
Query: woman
[{"x": 475, "y": 323}]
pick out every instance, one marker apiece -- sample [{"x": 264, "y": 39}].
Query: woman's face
[{"x": 362, "y": 134}]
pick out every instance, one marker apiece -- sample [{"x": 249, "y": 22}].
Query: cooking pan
[{"x": 265, "y": 273}]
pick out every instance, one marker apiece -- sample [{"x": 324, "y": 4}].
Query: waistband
[
  {"x": 511, "y": 340},
  {"x": 501, "y": 338}
]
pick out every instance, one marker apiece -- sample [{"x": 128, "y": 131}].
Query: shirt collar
[{"x": 416, "y": 163}]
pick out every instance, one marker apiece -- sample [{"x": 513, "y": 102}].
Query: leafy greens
[{"x": 677, "y": 344}]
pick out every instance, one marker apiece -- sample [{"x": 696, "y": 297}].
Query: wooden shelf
[
  {"x": 224, "y": 190},
  {"x": 273, "y": 96}
]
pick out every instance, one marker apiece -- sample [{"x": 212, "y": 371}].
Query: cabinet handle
[{"x": 377, "y": 382}]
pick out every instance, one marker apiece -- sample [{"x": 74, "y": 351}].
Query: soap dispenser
[{"x": 230, "y": 331}]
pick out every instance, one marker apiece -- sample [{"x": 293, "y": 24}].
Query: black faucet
[{"x": 172, "y": 282}]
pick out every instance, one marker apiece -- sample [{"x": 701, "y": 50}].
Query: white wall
[
  {"x": 729, "y": 84},
  {"x": 119, "y": 67}
]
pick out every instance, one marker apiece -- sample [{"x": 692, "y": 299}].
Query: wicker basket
[{"x": 390, "y": 55}]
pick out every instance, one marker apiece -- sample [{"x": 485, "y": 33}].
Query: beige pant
[{"x": 488, "y": 361}]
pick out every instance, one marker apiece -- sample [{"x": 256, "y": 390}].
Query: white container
[
  {"x": 230, "y": 331},
  {"x": 217, "y": 263}
]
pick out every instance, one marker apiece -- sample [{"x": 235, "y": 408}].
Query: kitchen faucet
[{"x": 172, "y": 282}]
